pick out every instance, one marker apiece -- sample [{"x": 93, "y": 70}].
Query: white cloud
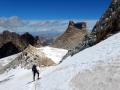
[{"x": 18, "y": 25}]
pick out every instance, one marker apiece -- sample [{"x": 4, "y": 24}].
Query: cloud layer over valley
[{"x": 37, "y": 27}]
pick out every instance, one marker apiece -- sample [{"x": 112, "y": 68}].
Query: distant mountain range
[
  {"x": 38, "y": 27},
  {"x": 44, "y": 28}
]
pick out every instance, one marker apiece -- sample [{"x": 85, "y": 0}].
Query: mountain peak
[
  {"x": 79, "y": 25},
  {"x": 74, "y": 34},
  {"x": 71, "y": 23},
  {"x": 76, "y": 26}
]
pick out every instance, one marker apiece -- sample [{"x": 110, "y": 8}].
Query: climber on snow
[{"x": 35, "y": 71}]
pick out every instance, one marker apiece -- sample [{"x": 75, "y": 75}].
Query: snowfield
[
  {"x": 95, "y": 68},
  {"x": 54, "y": 54},
  {"x": 6, "y": 60}
]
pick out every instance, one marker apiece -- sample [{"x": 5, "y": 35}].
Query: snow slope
[
  {"x": 54, "y": 54},
  {"x": 6, "y": 60},
  {"x": 104, "y": 52},
  {"x": 18, "y": 79},
  {"x": 95, "y": 68}
]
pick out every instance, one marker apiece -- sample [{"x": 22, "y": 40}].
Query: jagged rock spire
[
  {"x": 71, "y": 23},
  {"x": 74, "y": 34}
]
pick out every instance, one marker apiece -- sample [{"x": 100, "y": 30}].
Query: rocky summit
[
  {"x": 32, "y": 55},
  {"x": 74, "y": 34}
]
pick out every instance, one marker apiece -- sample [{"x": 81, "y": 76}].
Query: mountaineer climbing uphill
[{"x": 35, "y": 71}]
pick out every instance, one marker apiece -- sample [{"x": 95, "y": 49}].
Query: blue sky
[{"x": 53, "y": 9}]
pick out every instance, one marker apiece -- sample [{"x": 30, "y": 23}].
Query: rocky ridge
[
  {"x": 74, "y": 34},
  {"x": 12, "y": 43},
  {"x": 42, "y": 57},
  {"x": 27, "y": 58}
]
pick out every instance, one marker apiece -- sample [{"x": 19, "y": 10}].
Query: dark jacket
[{"x": 34, "y": 68}]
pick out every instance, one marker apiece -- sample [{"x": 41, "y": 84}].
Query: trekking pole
[{"x": 35, "y": 85}]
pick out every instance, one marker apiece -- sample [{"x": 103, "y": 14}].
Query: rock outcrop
[
  {"x": 109, "y": 24},
  {"x": 27, "y": 58},
  {"x": 74, "y": 34},
  {"x": 12, "y": 43},
  {"x": 8, "y": 49},
  {"x": 32, "y": 55}
]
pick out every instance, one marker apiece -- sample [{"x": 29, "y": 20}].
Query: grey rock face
[{"x": 71, "y": 38}]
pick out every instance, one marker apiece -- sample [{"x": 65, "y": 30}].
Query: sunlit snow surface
[
  {"x": 54, "y": 54},
  {"x": 6, "y": 60}
]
